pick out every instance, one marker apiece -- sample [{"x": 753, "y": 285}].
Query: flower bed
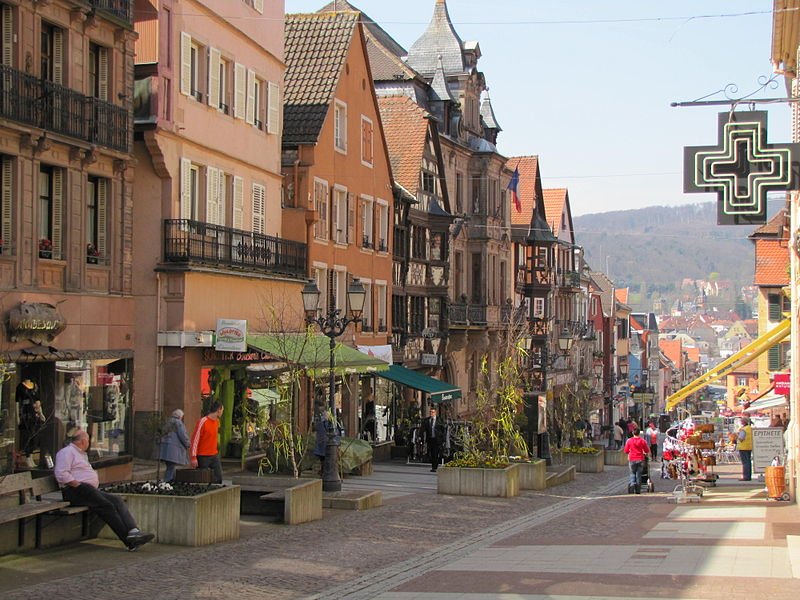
[{"x": 184, "y": 514}]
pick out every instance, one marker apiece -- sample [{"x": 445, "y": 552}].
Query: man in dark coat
[{"x": 433, "y": 430}]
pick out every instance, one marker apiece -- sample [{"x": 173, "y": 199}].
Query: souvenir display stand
[{"x": 686, "y": 458}]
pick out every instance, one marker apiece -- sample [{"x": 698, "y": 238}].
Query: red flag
[{"x": 513, "y": 185}]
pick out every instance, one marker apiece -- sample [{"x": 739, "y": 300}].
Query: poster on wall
[
  {"x": 767, "y": 444},
  {"x": 231, "y": 335}
]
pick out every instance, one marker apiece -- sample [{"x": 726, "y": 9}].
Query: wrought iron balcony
[
  {"x": 467, "y": 314},
  {"x": 52, "y": 107},
  {"x": 122, "y": 9},
  {"x": 187, "y": 241}
]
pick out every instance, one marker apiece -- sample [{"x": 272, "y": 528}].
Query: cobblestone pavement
[{"x": 436, "y": 547}]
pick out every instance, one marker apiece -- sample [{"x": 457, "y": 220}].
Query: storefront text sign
[
  {"x": 767, "y": 444},
  {"x": 783, "y": 383},
  {"x": 34, "y": 321},
  {"x": 231, "y": 335},
  {"x": 741, "y": 168}
]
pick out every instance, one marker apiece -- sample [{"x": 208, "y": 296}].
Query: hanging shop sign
[
  {"x": 35, "y": 321},
  {"x": 231, "y": 335},
  {"x": 741, "y": 168}
]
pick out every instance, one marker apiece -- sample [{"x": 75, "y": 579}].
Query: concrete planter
[
  {"x": 584, "y": 463},
  {"x": 616, "y": 457},
  {"x": 533, "y": 475},
  {"x": 460, "y": 481},
  {"x": 186, "y": 520}
]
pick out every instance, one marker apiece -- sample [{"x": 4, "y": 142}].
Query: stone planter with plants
[
  {"x": 183, "y": 514},
  {"x": 585, "y": 460}
]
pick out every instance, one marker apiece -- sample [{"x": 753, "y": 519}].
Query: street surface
[{"x": 586, "y": 539}]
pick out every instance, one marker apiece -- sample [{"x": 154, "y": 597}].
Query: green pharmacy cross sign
[{"x": 742, "y": 168}]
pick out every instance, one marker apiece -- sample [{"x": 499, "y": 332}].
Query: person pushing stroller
[{"x": 637, "y": 450}]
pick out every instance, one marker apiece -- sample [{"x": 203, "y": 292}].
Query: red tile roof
[
  {"x": 772, "y": 262},
  {"x": 673, "y": 349},
  {"x": 528, "y": 174},
  {"x": 405, "y": 126},
  {"x": 621, "y": 295},
  {"x": 555, "y": 202}
]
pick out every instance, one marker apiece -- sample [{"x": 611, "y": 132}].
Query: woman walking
[{"x": 174, "y": 443}]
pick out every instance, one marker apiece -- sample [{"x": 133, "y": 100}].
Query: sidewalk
[{"x": 585, "y": 539}]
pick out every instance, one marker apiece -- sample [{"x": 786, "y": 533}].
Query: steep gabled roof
[
  {"x": 439, "y": 39},
  {"x": 487, "y": 114},
  {"x": 375, "y": 30},
  {"x": 405, "y": 126},
  {"x": 529, "y": 181},
  {"x": 316, "y": 47},
  {"x": 556, "y": 204}
]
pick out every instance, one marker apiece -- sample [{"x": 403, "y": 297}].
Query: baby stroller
[{"x": 647, "y": 481}]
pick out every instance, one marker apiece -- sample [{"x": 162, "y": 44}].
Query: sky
[{"x": 586, "y": 85}]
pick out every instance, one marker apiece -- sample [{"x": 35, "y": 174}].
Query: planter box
[
  {"x": 186, "y": 520},
  {"x": 616, "y": 457},
  {"x": 584, "y": 463},
  {"x": 533, "y": 475},
  {"x": 459, "y": 481}
]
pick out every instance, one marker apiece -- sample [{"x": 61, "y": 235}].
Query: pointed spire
[
  {"x": 439, "y": 84},
  {"x": 440, "y": 39}
]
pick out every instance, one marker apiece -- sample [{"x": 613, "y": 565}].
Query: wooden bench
[
  {"x": 20, "y": 502},
  {"x": 294, "y": 500},
  {"x": 49, "y": 485}
]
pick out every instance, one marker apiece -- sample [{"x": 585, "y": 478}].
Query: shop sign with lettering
[
  {"x": 211, "y": 356},
  {"x": 231, "y": 335},
  {"x": 35, "y": 321}
]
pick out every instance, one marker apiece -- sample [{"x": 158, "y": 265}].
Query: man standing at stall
[{"x": 744, "y": 444}]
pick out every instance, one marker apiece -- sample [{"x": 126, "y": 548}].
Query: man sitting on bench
[{"x": 79, "y": 486}]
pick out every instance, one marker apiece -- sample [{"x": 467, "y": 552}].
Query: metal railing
[
  {"x": 122, "y": 9},
  {"x": 468, "y": 314},
  {"x": 194, "y": 241},
  {"x": 53, "y": 107}
]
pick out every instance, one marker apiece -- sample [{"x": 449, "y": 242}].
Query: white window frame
[
  {"x": 321, "y": 201},
  {"x": 383, "y": 225},
  {"x": 380, "y": 292},
  {"x": 189, "y": 200},
  {"x": 367, "y": 317},
  {"x": 339, "y": 215},
  {"x": 321, "y": 277},
  {"x": 367, "y": 223},
  {"x": 340, "y": 274},
  {"x": 367, "y": 161},
  {"x": 340, "y": 126}
]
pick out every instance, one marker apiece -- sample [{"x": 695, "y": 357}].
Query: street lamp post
[{"x": 332, "y": 325}]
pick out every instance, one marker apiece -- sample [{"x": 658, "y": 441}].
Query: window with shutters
[
  {"x": 399, "y": 319},
  {"x": 190, "y": 191},
  {"x": 6, "y": 206},
  {"x": 367, "y": 319},
  {"x": 321, "y": 200},
  {"x": 255, "y": 100},
  {"x": 380, "y": 293},
  {"x": 339, "y": 215},
  {"x": 321, "y": 277},
  {"x": 191, "y": 67},
  {"x": 239, "y": 91},
  {"x": 418, "y": 320},
  {"x": 238, "y": 203},
  {"x": 366, "y": 141},
  {"x": 459, "y": 193},
  {"x": 383, "y": 225},
  {"x": 98, "y": 71},
  {"x": 273, "y": 108},
  {"x": 340, "y": 126},
  {"x": 96, "y": 210},
  {"x": 339, "y": 288},
  {"x": 8, "y": 31},
  {"x": 259, "y": 208},
  {"x": 215, "y": 196},
  {"x": 774, "y": 307},
  {"x": 52, "y": 53},
  {"x": 51, "y": 200},
  {"x": 367, "y": 240}
]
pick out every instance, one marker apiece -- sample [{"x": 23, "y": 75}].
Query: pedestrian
[
  {"x": 651, "y": 436},
  {"x": 205, "y": 446},
  {"x": 31, "y": 424},
  {"x": 174, "y": 443},
  {"x": 619, "y": 434},
  {"x": 433, "y": 431},
  {"x": 321, "y": 425},
  {"x": 744, "y": 444},
  {"x": 79, "y": 486},
  {"x": 631, "y": 426},
  {"x": 637, "y": 449}
]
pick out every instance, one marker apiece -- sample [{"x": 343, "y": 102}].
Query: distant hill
[{"x": 652, "y": 250}]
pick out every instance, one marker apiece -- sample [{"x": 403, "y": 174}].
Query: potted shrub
[
  {"x": 92, "y": 254},
  {"x": 585, "y": 459},
  {"x": 45, "y": 248}
]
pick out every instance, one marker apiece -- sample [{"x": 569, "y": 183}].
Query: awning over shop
[
  {"x": 753, "y": 350},
  {"x": 439, "y": 390},
  {"x": 771, "y": 401},
  {"x": 313, "y": 353}
]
